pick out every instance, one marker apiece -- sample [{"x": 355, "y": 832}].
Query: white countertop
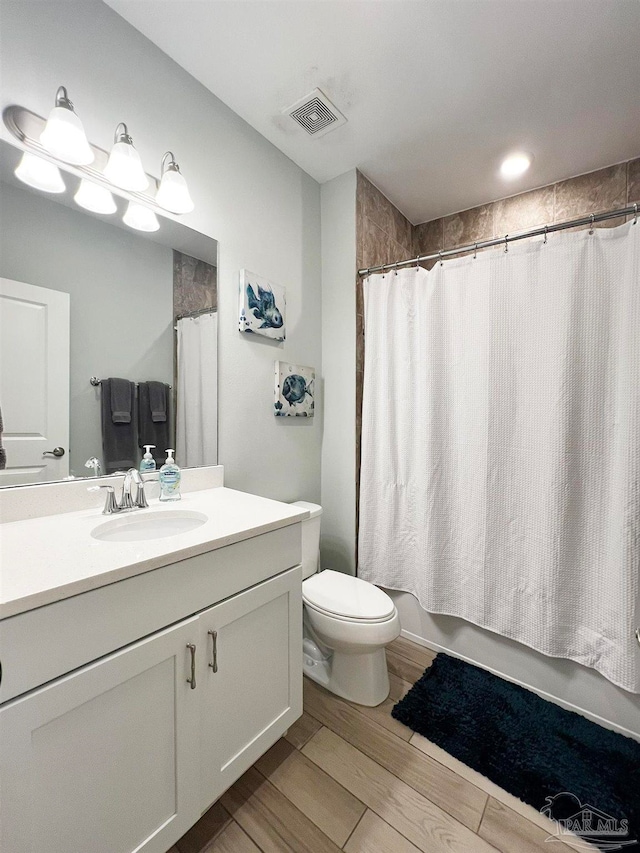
[{"x": 43, "y": 560}]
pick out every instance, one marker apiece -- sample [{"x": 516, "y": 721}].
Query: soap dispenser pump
[
  {"x": 170, "y": 479},
  {"x": 148, "y": 463}
]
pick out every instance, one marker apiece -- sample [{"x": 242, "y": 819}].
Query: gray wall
[
  {"x": 121, "y": 289},
  {"x": 338, "y": 544},
  {"x": 264, "y": 210}
]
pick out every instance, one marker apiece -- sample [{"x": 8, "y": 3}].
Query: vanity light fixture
[
  {"x": 63, "y": 135},
  {"x": 515, "y": 164},
  {"x": 140, "y": 217},
  {"x": 95, "y": 198},
  {"x": 173, "y": 193},
  {"x": 124, "y": 168},
  {"x": 39, "y": 174}
]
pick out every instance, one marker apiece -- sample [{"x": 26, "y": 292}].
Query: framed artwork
[
  {"x": 294, "y": 390},
  {"x": 263, "y": 306}
]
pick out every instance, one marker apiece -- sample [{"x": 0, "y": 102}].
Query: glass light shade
[
  {"x": 173, "y": 193},
  {"x": 95, "y": 198},
  {"x": 40, "y": 174},
  {"x": 140, "y": 217},
  {"x": 64, "y": 137},
  {"x": 124, "y": 168},
  {"x": 515, "y": 165}
]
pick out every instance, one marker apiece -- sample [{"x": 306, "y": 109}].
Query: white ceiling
[{"x": 436, "y": 92}]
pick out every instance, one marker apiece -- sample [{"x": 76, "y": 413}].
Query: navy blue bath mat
[{"x": 579, "y": 773}]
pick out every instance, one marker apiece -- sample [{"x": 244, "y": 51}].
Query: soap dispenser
[
  {"x": 148, "y": 463},
  {"x": 170, "y": 479}
]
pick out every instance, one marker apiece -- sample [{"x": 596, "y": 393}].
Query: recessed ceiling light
[{"x": 515, "y": 165}]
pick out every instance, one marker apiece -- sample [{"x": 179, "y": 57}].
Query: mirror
[{"x": 83, "y": 296}]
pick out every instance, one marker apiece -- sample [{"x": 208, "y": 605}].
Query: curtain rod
[
  {"x": 198, "y": 313},
  {"x": 630, "y": 210}
]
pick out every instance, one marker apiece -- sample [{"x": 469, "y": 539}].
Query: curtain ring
[
  {"x": 440, "y": 256},
  {"x": 506, "y": 244},
  {"x": 635, "y": 213},
  {"x": 396, "y": 267},
  {"x": 592, "y": 217},
  {"x": 546, "y": 231},
  {"x": 475, "y": 251},
  {"x": 418, "y": 262}
]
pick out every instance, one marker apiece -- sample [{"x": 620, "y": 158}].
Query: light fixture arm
[
  {"x": 123, "y": 135},
  {"x": 172, "y": 166},
  {"x": 62, "y": 99}
]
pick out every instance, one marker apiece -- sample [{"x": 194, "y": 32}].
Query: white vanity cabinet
[
  {"x": 103, "y": 759},
  {"x": 161, "y": 690},
  {"x": 250, "y": 678}
]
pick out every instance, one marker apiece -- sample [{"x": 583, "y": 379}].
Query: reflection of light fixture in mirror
[
  {"x": 95, "y": 198},
  {"x": 173, "y": 194},
  {"x": 140, "y": 217},
  {"x": 63, "y": 135},
  {"x": 124, "y": 168},
  {"x": 39, "y": 174}
]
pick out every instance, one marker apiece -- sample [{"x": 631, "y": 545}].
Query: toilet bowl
[{"x": 347, "y": 622}]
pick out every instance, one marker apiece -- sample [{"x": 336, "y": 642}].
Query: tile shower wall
[
  {"x": 384, "y": 235},
  {"x": 194, "y": 285}
]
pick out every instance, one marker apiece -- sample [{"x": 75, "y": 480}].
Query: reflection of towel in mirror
[
  {"x": 158, "y": 393},
  {"x": 3, "y": 452},
  {"x": 118, "y": 439},
  {"x": 121, "y": 400},
  {"x": 153, "y": 418}
]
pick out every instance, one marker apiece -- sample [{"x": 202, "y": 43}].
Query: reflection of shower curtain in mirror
[
  {"x": 197, "y": 393},
  {"x": 500, "y": 473}
]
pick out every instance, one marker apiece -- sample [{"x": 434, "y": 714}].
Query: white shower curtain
[
  {"x": 197, "y": 394},
  {"x": 500, "y": 476}
]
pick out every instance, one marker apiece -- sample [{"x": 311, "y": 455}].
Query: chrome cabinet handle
[
  {"x": 638, "y": 635},
  {"x": 57, "y": 452},
  {"x": 192, "y": 680},
  {"x": 214, "y": 650}
]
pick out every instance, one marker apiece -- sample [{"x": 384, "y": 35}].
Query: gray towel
[
  {"x": 118, "y": 439},
  {"x": 151, "y": 431},
  {"x": 158, "y": 393},
  {"x": 121, "y": 400}
]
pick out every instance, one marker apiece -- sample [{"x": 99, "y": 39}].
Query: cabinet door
[
  {"x": 105, "y": 759},
  {"x": 251, "y": 678}
]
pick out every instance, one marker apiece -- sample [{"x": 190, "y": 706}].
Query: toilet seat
[{"x": 347, "y": 598}]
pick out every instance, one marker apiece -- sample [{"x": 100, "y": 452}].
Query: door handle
[
  {"x": 192, "y": 680},
  {"x": 214, "y": 650},
  {"x": 57, "y": 452}
]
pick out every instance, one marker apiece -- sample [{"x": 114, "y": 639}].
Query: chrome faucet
[
  {"x": 110, "y": 504},
  {"x": 127, "y": 501}
]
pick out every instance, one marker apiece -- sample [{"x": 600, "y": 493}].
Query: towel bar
[{"x": 95, "y": 382}]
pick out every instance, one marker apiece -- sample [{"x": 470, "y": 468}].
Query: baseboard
[{"x": 601, "y": 721}]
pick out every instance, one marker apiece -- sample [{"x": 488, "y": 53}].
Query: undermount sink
[{"x": 149, "y": 525}]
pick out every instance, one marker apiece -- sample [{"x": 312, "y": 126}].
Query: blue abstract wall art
[
  {"x": 294, "y": 390},
  {"x": 263, "y": 306}
]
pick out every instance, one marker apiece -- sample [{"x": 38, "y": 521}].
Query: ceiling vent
[{"x": 316, "y": 114}]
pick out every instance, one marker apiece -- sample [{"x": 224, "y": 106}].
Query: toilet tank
[{"x": 310, "y": 538}]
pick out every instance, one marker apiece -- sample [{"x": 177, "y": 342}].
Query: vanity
[{"x": 141, "y": 676}]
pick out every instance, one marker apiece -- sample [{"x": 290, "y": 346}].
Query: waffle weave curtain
[{"x": 500, "y": 477}]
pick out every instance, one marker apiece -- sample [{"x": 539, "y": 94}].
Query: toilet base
[{"x": 360, "y": 678}]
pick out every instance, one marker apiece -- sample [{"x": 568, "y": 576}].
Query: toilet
[{"x": 347, "y": 622}]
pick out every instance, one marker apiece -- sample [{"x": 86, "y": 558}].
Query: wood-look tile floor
[{"x": 351, "y": 778}]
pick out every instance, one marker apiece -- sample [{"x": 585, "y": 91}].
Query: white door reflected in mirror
[{"x": 34, "y": 382}]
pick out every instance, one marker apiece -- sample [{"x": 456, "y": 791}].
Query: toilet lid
[{"x": 344, "y": 595}]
